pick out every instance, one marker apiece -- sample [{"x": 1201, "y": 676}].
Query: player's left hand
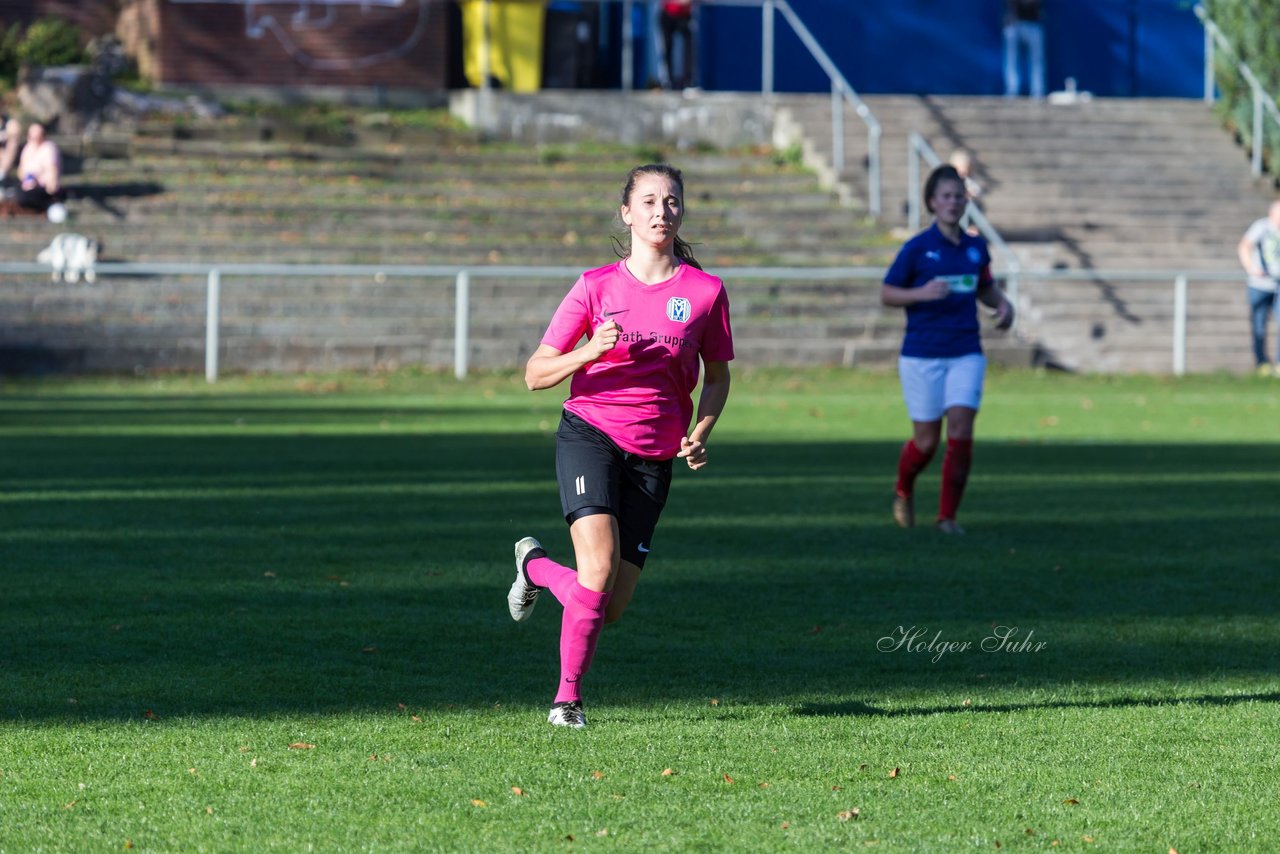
[
  {"x": 694, "y": 453},
  {"x": 1004, "y": 315}
]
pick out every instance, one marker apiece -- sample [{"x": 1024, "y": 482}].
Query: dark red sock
[
  {"x": 911, "y": 462},
  {"x": 955, "y": 473}
]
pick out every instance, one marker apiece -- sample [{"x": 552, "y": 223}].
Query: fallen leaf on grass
[
  {"x": 1071, "y": 802},
  {"x": 208, "y": 810},
  {"x": 728, "y": 779},
  {"x": 516, "y": 790},
  {"x": 569, "y": 838},
  {"x": 763, "y": 784},
  {"x": 253, "y": 763},
  {"x": 836, "y": 789},
  {"x": 476, "y": 802},
  {"x": 786, "y": 825},
  {"x": 849, "y": 815},
  {"x": 370, "y": 649},
  {"x": 604, "y": 831},
  {"x": 1087, "y": 838},
  {"x": 715, "y": 701},
  {"x": 149, "y": 715},
  {"x": 401, "y": 706},
  {"x": 301, "y": 745},
  {"x": 191, "y": 771},
  {"x": 597, "y": 775},
  {"x": 895, "y": 772},
  {"x": 69, "y": 805},
  {"x": 415, "y": 719},
  {"x": 667, "y": 772},
  {"x": 951, "y": 777}
]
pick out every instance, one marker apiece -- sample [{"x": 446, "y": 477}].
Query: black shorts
[{"x": 594, "y": 472}]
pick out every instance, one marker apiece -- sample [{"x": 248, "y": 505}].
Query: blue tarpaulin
[{"x": 1116, "y": 48}]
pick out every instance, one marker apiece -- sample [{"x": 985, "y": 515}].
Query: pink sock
[
  {"x": 579, "y": 629},
  {"x": 545, "y": 572}
]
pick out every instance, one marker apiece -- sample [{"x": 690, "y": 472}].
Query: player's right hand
[
  {"x": 934, "y": 289},
  {"x": 605, "y": 338}
]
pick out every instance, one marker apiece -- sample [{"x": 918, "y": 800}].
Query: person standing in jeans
[
  {"x": 1259, "y": 254},
  {"x": 1023, "y": 29},
  {"x": 675, "y": 20}
]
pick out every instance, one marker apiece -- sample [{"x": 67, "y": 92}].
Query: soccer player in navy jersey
[
  {"x": 939, "y": 277},
  {"x": 651, "y": 321}
]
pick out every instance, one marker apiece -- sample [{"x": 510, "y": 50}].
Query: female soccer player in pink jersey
[
  {"x": 648, "y": 319},
  {"x": 939, "y": 277}
]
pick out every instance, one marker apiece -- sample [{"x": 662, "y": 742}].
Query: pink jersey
[{"x": 640, "y": 393}]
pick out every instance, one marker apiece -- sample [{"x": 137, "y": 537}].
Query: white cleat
[
  {"x": 523, "y": 594},
  {"x": 568, "y": 714}
]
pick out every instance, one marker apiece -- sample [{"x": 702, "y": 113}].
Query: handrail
[
  {"x": 917, "y": 148},
  {"x": 462, "y": 274},
  {"x": 1263, "y": 103},
  {"x": 841, "y": 92}
]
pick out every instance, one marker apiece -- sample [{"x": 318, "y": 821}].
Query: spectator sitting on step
[
  {"x": 40, "y": 171},
  {"x": 963, "y": 164},
  {"x": 963, "y": 161}
]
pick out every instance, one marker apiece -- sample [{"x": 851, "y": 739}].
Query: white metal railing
[
  {"x": 918, "y": 148},
  {"x": 1264, "y": 105},
  {"x": 462, "y": 275},
  {"x": 841, "y": 91}
]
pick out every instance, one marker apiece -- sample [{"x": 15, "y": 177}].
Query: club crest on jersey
[
  {"x": 678, "y": 309},
  {"x": 974, "y": 255}
]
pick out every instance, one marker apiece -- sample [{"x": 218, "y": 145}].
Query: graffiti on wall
[{"x": 283, "y": 21}]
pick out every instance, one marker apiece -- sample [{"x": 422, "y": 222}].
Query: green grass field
[{"x": 269, "y": 615}]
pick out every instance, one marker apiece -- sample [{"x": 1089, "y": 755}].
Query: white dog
[{"x": 71, "y": 256}]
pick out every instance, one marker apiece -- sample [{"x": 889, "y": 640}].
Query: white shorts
[{"x": 932, "y": 386}]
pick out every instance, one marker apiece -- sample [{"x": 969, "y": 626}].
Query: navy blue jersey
[{"x": 949, "y": 326}]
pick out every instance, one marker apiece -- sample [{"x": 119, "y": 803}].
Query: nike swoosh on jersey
[{"x": 619, "y": 311}]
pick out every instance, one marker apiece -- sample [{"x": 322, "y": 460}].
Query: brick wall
[
  {"x": 336, "y": 45},
  {"x": 294, "y": 44}
]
